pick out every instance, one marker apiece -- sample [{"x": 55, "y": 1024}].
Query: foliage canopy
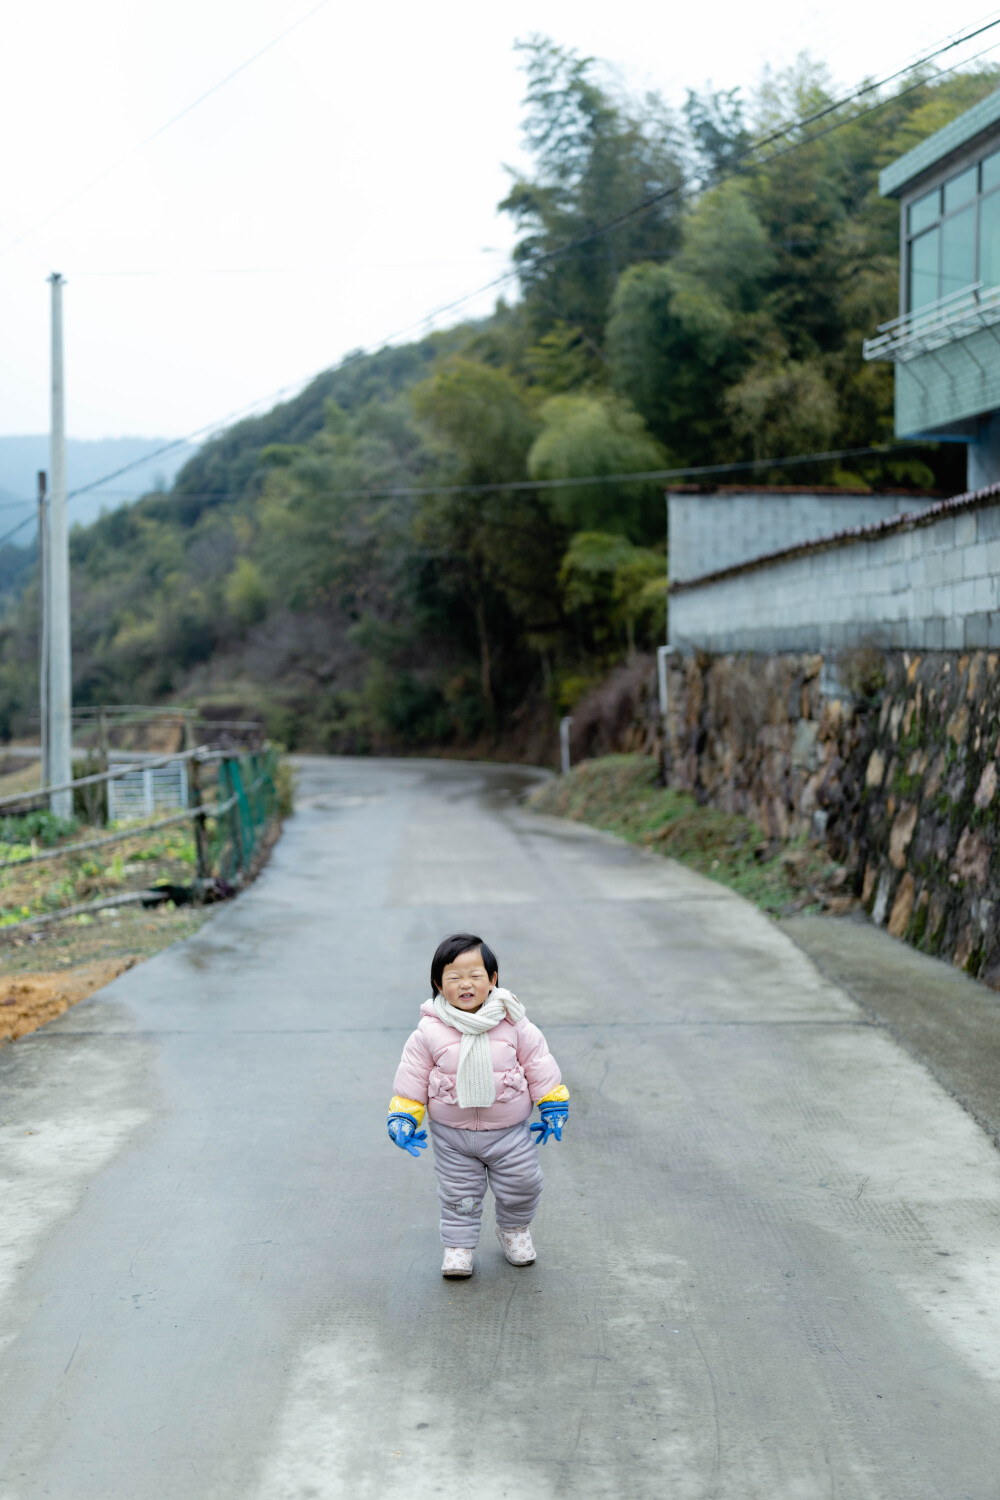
[{"x": 371, "y": 564}]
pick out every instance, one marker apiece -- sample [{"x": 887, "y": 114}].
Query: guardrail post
[
  {"x": 254, "y": 799},
  {"x": 102, "y": 759},
  {"x": 204, "y": 864},
  {"x": 662, "y": 652},
  {"x": 564, "y": 724},
  {"x": 228, "y": 771},
  {"x": 663, "y": 655},
  {"x": 268, "y": 773},
  {"x": 245, "y": 814}
]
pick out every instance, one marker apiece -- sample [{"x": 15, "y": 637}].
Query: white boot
[
  {"x": 457, "y": 1261},
  {"x": 517, "y": 1245}
]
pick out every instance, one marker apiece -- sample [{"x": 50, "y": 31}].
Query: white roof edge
[{"x": 951, "y": 137}]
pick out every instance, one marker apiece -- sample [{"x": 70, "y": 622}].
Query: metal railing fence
[
  {"x": 247, "y": 805},
  {"x": 230, "y": 829},
  {"x": 939, "y": 323}
]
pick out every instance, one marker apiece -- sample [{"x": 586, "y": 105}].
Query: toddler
[{"x": 478, "y": 1065}]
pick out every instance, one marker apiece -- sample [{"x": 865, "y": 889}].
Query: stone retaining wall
[{"x": 891, "y": 760}]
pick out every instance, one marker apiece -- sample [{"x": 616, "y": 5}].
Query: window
[
  {"x": 953, "y": 235},
  {"x": 925, "y": 267},
  {"x": 925, "y": 211},
  {"x": 958, "y": 251},
  {"x": 960, "y": 190},
  {"x": 989, "y": 239}
]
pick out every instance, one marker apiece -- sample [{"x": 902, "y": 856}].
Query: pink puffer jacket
[{"x": 524, "y": 1071}]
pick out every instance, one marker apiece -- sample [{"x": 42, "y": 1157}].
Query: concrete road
[{"x": 768, "y": 1248}]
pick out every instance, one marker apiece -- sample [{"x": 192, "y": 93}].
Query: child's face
[{"x": 465, "y": 983}]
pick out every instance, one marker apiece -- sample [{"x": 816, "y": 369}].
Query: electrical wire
[
  {"x": 636, "y": 476},
  {"x": 866, "y": 88},
  {"x": 315, "y": 270},
  {"x": 750, "y": 151},
  {"x": 191, "y": 437},
  {"x": 518, "y": 270},
  {"x": 947, "y": 45},
  {"x": 161, "y": 129}
]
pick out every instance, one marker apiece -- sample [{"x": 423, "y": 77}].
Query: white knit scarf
[{"x": 475, "y": 1082}]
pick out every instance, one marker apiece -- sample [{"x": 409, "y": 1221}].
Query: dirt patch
[
  {"x": 45, "y": 974},
  {"x": 28, "y": 1001},
  {"x": 45, "y": 968}
]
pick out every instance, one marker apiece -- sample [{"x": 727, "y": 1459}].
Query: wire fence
[
  {"x": 247, "y": 806},
  {"x": 234, "y": 807}
]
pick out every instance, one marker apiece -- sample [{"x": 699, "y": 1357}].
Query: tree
[
  {"x": 495, "y": 553},
  {"x": 615, "y": 584},
  {"x": 596, "y": 157},
  {"x": 599, "y": 434},
  {"x": 680, "y": 333},
  {"x": 784, "y": 408},
  {"x": 246, "y": 593},
  {"x": 719, "y": 132}
]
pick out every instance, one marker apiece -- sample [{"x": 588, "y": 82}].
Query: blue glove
[
  {"x": 403, "y": 1131},
  {"x": 554, "y": 1117}
]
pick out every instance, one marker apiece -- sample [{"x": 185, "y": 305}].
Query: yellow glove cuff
[
  {"x": 408, "y": 1107},
  {"x": 557, "y": 1095}
]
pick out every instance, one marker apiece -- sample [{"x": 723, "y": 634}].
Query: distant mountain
[{"x": 87, "y": 460}]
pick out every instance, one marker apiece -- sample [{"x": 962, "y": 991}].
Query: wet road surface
[{"x": 768, "y": 1263}]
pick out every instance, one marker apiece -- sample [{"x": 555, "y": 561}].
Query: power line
[
  {"x": 541, "y": 258},
  {"x": 880, "y": 104},
  {"x": 314, "y": 270},
  {"x": 632, "y": 477},
  {"x": 637, "y": 476},
  {"x": 750, "y": 150},
  {"x": 949, "y": 44},
  {"x": 161, "y": 129},
  {"x": 515, "y": 271},
  {"x": 866, "y": 88},
  {"x": 146, "y": 458}
]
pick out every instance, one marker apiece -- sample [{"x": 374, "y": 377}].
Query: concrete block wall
[
  {"x": 933, "y": 586},
  {"x": 717, "y": 530}
]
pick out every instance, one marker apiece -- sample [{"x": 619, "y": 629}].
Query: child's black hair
[{"x": 449, "y": 949}]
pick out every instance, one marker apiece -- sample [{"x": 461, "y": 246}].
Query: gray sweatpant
[{"x": 465, "y": 1160}]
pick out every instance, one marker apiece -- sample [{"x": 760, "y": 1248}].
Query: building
[
  {"x": 711, "y": 528},
  {"x": 945, "y": 343},
  {"x": 778, "y": 569}
]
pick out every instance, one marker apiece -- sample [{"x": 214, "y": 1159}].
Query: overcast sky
[{"x": 336, "y": 191}]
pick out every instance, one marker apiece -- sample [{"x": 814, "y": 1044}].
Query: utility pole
[
  {"x": 43, "y": 624},
  {"x": 60, "y": 715}
]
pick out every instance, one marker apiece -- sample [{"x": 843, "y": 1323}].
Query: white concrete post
[
  {"x": 564, "y": 724},
  {"x": 662, "y": 652},
  {"x": 43, "y": 624},
  {"x": 60, "y": 716}
]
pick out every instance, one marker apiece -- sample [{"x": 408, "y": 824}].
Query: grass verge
[{"x": 619, "y": 793}]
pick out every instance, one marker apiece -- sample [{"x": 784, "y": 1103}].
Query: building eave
[{"x": 950, "y": 139}]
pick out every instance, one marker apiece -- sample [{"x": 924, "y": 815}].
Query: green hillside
[{"x": 724, "y": 322}]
